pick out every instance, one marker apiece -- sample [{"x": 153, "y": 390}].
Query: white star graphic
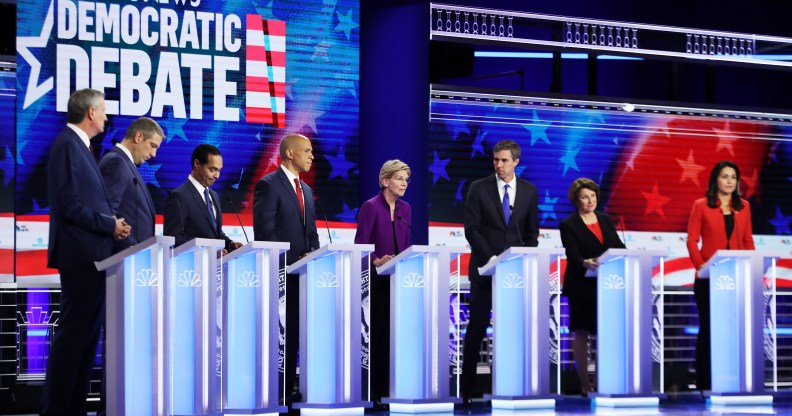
[{"x": 24, "y": 43}]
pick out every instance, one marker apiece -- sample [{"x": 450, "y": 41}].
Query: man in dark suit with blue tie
[
  {"x": 82, "y": 229},
  {"x": 500, "y": 212},
  {"x": 283, "y": 210},
  {"x": 129, "y": 197},
  {"x": 192, "y": 210}
]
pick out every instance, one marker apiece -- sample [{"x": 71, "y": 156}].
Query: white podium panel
[
  {"x": 520, "y": 328},
  {"x": 330, "y": 332},
  {"x": 195, "y": 302},
  {"x": 419, "y": 305},
  {"x": 136, "y": 361},
  {"x": 251, "y": 329}
]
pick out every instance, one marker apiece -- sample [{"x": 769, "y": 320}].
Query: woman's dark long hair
[{"x": 712, "y": 186}]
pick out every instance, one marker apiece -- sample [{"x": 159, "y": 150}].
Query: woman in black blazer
[{"x": 586, "y": 234}]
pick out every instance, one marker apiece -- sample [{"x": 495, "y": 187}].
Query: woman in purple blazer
[{"x": 385, "y": 222}]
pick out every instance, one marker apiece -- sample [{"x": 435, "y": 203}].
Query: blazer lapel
[
  {"x": 287, "y": 186},
  {"x": 584, "y": 230},
  {"x": 136, "y": 174},
  {"x": 199, "y": 199},
  {"x": 494, "y": 196}
]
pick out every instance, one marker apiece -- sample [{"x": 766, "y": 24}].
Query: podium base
[
  {"x": 626, "y": 400},
  {"x": 331, "y": 409},
  {"x": 418, "y": 406},
  {"x": 739, "y": 399},
  {"x": 544, "y": 401},
  {"x": 258, "y": 412}
]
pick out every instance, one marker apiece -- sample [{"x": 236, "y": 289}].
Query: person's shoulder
[
  {"x": 182, "y": 189},
  {"x": 402, "y": 203},
  {"x": 270, "y": 177},
  {"x": 700, "y": 203},
  {"x": 746, "y": 204},
  {"x": 526, "y": 182},
  {"x": 568, "y": 221},
  {"x": 483, "y": 181},
  {"x": 111, "y": 158}
]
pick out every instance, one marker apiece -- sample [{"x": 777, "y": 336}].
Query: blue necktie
[
  {"x": 506, "y": 203},
  {"x": 209, "y": 207}
]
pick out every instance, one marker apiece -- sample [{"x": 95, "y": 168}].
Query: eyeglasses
[{"x": 400, "y": 179}]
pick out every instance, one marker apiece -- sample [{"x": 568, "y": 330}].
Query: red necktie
[{"x": 300, "y": 198}]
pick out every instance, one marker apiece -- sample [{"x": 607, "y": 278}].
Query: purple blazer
[{"x": 374, "y": 226}]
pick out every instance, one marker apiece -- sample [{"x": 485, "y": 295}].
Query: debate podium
[
  {"x": 194, "y": 320},
  {"x": 250, "y": 330},
  {"x": 520, "y": 328},
  {"x": 736, "y": 326},
  {"x": 419, "y": 305},
  {"x": 330, "y": 329},
  {"x": 624, "y": 328},
  {"x": 136, "y": 361}
]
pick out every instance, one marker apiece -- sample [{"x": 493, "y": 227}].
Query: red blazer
[{"x": 708, "y": 224}]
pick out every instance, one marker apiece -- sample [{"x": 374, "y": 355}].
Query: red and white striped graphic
[{"x": 265, "y": 93}]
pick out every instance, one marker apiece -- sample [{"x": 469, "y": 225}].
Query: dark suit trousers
[
  {"x": 701, "y": 292},
  {"x": 380, "y": 335},
  {"x": 292, "y": 331},
  {"x": 479, "y": 307},
  {"x": 73, "y": 348}
]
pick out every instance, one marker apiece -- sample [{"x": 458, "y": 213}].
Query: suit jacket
[
  {"x": 276, "y": 215},
  {"x": 709, "y": 225},
  {"x": 81, "y": 221},
  {"x": 187, "y": 217},
  {"x": 374, "y": 226},
  {"x": 485, "y": 226},
  {"x": 129, "y": 197},
  {"x": 580, "y": 243}
]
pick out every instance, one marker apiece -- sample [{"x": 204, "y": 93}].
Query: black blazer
[
  {"x": 129, "y": 197},
  {"x": 81, "y": 221},
  {"x": 485, "y": 227},
  {"x": 276, "y": 215},
  {"x": 186, "y": 216},
  {"x": 580, "y": 243}
]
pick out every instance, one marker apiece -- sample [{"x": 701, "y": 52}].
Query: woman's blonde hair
[{"x": 389, "y": 168}]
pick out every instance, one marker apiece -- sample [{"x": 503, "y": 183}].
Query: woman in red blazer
[{"x": 722, "y": 221}]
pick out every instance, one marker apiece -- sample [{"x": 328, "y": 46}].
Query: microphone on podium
[
  {"x": 516, "y": 224},
  {"x": 619, "y": 218},
  {"x": 178, "y": 206},
  {"x": 237, "y": 215},
  {"x": 412, "y": 230},
  {"x": 324, "y": 214}
]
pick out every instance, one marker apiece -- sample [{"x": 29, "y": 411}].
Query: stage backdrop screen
[
  {"x": 236, "y": 74},
  {"x": 651, "y": 164}
]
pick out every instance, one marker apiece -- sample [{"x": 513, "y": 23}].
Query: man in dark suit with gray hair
[{"x": 82, "y": 229}]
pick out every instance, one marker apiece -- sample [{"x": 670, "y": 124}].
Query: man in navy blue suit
[
  {"x": 192, "y": 210},
  {"x": 129, "y": 197},
  {"x": 283, "y": 210},
  {"x": 82, "y": 229},
  {"x": 501, "y": 211}
]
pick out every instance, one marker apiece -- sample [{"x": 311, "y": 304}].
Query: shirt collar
[
  {"x": 196, "y": 184},
  {"x": 128, "y": 153},
  {"x": 83, "y": 135},
  {"x": 511, "y": 183},
  {"x": 290, "y": 175}
]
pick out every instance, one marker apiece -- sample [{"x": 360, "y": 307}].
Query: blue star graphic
[
  {"x": 340, "y": 165},
  {"x": 7, "y": 166},
  {"x": 781, "y": 222},
  {"x": 519, "y": 169},
  {"x": 36, "y": 89},
  {"x": 548, "y": 207},
  {"x": 569, "y": 160},
  {"x": 266, "y": 11},
  {"x": 438, "y": 168},
  {"x": 456, "y": 127},
  {"x": 36, "y": 209},
  {"x": 302, "y": 118},
  {"x": 290, "y": 87},
  {"x": 20, "y": 148},
  {"x": 615, "y": 140},
  {"x": 320, "y": 51},
  {"x": 477, "y": 146},
  {"x": 236, "y": 185},
  {"x": 148, "y": 172},
  {"x": 345, "y": 23},
  {"x": 347, "y": 214},
  {"x": 538, "y": 129},
  {"x": 173, "y": 127},
  {"x": 459, "y": 192}
]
